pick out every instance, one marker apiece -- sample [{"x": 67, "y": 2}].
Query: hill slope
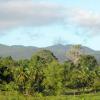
[{"x": 25, "y": 52}]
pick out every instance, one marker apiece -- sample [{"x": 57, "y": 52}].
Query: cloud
[
  {"x": 28, "y": 13},
  {"x": 86, "y": 20},
  {"x": 17, "y": 13}
]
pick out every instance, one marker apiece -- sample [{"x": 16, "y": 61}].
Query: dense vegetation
[{"x": 44, "y": 75}]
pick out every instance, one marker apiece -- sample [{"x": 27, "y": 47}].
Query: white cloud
[
  {"x": 87, "y": 20},
  {"x": 22, "y": 13},
  {"x": 27, "y": 13}
]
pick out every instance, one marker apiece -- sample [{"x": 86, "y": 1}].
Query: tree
[
  {"x": 6, "y": 65},
  {"x": 87, "y": 62},
  {"x": 68, "y": 67},
  {"x": 74, "y": 52},
  {"x": 53, "y": 80},
  {"x": 96, "y": 84},
  {"x": 37, "y": 64},
  {"x": 21, "y": 75},
  {"x": 79, "y": 79},
  {"x": 6, "y": 74},
  {"x": 83, "y": 74},
  {"x": 47, "y": 55}
]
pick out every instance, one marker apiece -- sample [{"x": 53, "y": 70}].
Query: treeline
[{"x": 44, "y": 74}]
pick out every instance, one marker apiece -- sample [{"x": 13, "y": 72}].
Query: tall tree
[
  {"x": 53, "y": 80},
  {"x": 68, "y": 67},
  {"x": 74, "y": 52}
]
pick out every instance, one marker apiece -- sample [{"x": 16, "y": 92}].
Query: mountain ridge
[{"x": 25, "y": 52}]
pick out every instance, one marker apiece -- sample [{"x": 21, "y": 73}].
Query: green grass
[{"x": 16, "y": 96}]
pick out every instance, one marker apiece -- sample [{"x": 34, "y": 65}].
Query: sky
[{"x": 44, "y": 23}]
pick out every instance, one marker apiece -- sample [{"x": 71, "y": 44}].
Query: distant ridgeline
[{"x": 25, "y": 52}]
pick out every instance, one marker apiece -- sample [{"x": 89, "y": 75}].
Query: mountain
[
  {"x": 60, "y": 51},
  {"x": 17, "y": 51},
  {"x": 25, "y": 52}
]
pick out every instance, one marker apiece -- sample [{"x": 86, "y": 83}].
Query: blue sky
[{"x": 43, "y": 23}]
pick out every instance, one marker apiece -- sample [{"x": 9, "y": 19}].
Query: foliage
[
  {"x": 43, "y": 74},
  {"x": 52, "y": 80}
]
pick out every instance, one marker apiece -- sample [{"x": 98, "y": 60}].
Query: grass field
[{"x": 10, "y": 96}]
